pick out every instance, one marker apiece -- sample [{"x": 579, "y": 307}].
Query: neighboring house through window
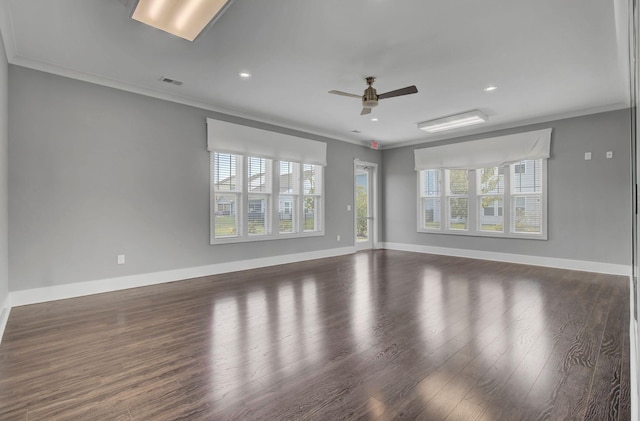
[
  {"x": 461, "y": 196},
  {"x": 256, "y": 195}
]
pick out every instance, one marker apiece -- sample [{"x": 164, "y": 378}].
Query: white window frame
[
  {"x": 473, "y": 218},
  {"x": 273, "y": 223}
]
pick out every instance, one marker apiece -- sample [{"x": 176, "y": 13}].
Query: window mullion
[{"x": 244, "y": 221}]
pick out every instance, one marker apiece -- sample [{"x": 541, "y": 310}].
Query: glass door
[{"x": 364, "y": 222}]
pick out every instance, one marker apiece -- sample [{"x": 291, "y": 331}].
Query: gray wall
[
  {"x": 4, "y": 195},
  {"x": 589, "y": 201},
  {"x": 95, "y": 172}
]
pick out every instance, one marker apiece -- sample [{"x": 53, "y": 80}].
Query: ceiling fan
[{"x": 370, "y": 97}]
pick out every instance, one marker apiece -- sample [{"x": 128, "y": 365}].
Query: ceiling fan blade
[
  {"x": 365, "y": 110},
  {"x": 398, "y": 92},
  {"x": 345, "y": 94}
]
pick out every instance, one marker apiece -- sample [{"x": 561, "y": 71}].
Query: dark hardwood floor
[{"x": 376, "y": 335}]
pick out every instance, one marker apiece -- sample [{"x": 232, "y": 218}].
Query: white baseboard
[
  {"x": 553, "y": 262},
  {"x": 5, "y": 309},
  {"x": 79, "y": 289}
]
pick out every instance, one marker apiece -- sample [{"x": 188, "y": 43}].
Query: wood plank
[
  {"x": 375, "y": 335},
  {"x": 625, "y": 369},
  {"x": 604, "y": 399}
]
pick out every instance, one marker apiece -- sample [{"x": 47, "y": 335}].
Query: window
[
  {"x": 264, "y": 185},
  {"x": 288, "y": 197},
  {"x": 244, "y": 190},
  {"x": 430, "y": 198},
  {"x": 259, "y": 189},
  {"x": 312, "y": 198},
  {"x": 490, "y": 194},
  {"x": 227, "y": 187},
  {"x": 473, "y": 201},
  {"x": 526, "y": 197},
  {"x": 457, "y": 199}
]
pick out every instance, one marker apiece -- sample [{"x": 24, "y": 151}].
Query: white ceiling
[{"x": 549, "y": 58}]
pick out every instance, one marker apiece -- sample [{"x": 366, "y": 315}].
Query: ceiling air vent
[{"x": 171, "y": 81}]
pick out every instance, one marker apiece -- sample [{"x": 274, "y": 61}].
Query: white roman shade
[
  {"x": 248, "y": 141},
  {"x": 485, "y": 153}
]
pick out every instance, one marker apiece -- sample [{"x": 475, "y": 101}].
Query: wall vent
[{"x": 171, "y": 81}]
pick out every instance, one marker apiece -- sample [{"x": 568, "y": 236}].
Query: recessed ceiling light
[
  {"x": 244, "y": 75},
  {"x": 186, "y": 19},
  {"x": 374, "y": 119},
  {"x": 490, "y": 88}
]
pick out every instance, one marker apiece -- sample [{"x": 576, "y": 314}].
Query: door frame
[{"x": 373, "y": 204}]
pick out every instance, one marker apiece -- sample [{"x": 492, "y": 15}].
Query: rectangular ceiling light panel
[
  {"x": 185, "y": 18},
  {"x": 453, "y": 122}
]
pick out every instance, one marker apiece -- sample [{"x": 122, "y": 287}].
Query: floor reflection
[
  {"x": 450, "y": 338},
  {"x": 362, "y": 304},
  {"x": 225, "y": 351}
]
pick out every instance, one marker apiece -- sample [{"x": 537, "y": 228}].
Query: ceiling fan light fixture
[
  {"x": 185, "y": 19},
  {"x": 453, "y": 122}
]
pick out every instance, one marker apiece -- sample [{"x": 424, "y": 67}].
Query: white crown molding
[
  {"x": 14, "y": 59},
  {"x": 553, "y": 262},
  {"x": 510, "y": 125},
  {"x": 145, "y": 91}
]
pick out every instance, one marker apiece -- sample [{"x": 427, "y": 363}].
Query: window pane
[
  {"x": 430, "y": 180},
  {"x": 312, "y": 179},
  {"x": 312, "y": 187},
  {"x": 431, "y": 213},
  {"x": 311, "y": 209},
  {"x": 225, "y": 175},
  {"x": 289, "y": 173},
  {"x": 258, "y": 210},
  {"x": 491, "y": 213},
  {"x": 491, "y": 181},
  {"x": 362, "y": 207},
  {"x": 527, "y": 177},
  {"x": 289, "y": 177},
  {"x": 526, "y": 214},
  {"x": 458, "y": 212},
  {"x": 287, "y": 206},
  {"x": 458, "y": 181},
  {"x": 226, "y": 220},
  {"x": 259, "y": 175}
]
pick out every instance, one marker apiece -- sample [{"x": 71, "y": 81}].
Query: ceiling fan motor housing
[{"x": 370, "y": 98}]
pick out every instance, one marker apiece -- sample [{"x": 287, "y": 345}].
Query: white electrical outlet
[
  {"x": 609, "y": 154},
  {"x": 349, "y": 208},
  {"x": 587, "y": 156},
  {"x": 121, "y": 259},
  {"x": 338, "y": 237}
]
